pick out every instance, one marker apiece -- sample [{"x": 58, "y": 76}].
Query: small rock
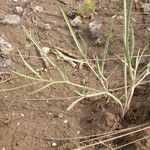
[
  {"x": 41, "y": 25},
  {"x": 120, "y": 17},
  {"x": 142, "y": 61},
  {"x": 38, "y": 9},
  {"x": 146, "y": 8},
  {"x": 5, "y": 62},
  {"x": 46, "y": 50},
  {"x": 60, "y": 115},
  {"x": 5, "y": 47},
  {"x": 19, "y": 10},
  {"x": 26, "y": 1},
  {"x": 148, "y": 29},
  {"x": 94, "y": 28},
  {"x": 22, "y": 115},
  {"x": 65, "y": 121},
  {"x": 3, "y": 148},
  {"x": 71, "y": 11},
  {"x": 11, "y": 20},
  {"x": 97, "y": 41},
  {"x": 76, "y": 21},
  {"x": 54, "y": 144},
  {"x": 18, "y": 123}
]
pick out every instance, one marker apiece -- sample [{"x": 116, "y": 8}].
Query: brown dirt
[{"x": 37, "y": 121}]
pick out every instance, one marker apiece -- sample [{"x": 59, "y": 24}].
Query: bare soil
[{"x": 40, "y": 121}]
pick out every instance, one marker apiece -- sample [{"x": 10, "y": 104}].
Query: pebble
[
  {"x": 94, "y": 28},
  {"x": 97, "y": 41},
  {"x": 26, "y": 1},
  {"x": 146, "y": 8},
  {"x": 142, "y": 61},
  {"x": 60, "y": 115},
  {"x": 54, "y": 144},
  {"x": 5, "y": 62},
  {"x": 11, "y": 20},
  {"x": 5, "y": 47},
  {"x": 22, "y": 115},
  {"x": 76, "y": 22},
  {"x": 120, "y": 17},
  {"x": 148, "y": 29},
  {"x": 19, "y": 10},
  {"x": 3, "y": 148},
  {"x": 18, "y": 123},
  {"x": 38, "y": 9},
  {"x": 42, "y": 25},
  {"x": 71, "y": 11},
  {"x": 65, "y": 121},
  {"x": 46, "y": 50}
]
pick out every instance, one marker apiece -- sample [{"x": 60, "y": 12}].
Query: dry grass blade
[
  {"x": 102, "y": 141},
  {"x": 29, "y": 66},
  {"x": 72, "y": 33},
  {"x": 132, "y": 142},
  {"x": 109, "y": 36},
  {"x": 19, "y": 87}
]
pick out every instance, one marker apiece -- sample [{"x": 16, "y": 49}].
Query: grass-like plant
[
  {"x": 133, "y": 76},
  {"x": 85, "y": 6}
]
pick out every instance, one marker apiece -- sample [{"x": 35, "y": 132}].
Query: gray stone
[
  {"x": 71, "y": 11},
  {"x": 94, "y": 28},
  {"x": 146, "y": 8},
  {"x": 5, "y": 47},
  {"x": 5, "y": 62},
  {"x": 76, "y": 21},
  {"x": 42, "y": 25},
  {"x": 38, "y": 9}
]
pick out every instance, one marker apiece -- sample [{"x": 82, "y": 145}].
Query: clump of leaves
[{"x": 85, "y": 6}]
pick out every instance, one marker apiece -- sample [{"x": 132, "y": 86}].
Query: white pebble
[
  {"x": 19, "y": 10},
  {"x": 46, "y": 50},
  {"x": 65, "y": 121},
  {"x": 54, "y": 144},
  {"x": 38, "y": 9},
  {"x": 18, "y": 123},
  {"x": 22, "y": 115}
]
